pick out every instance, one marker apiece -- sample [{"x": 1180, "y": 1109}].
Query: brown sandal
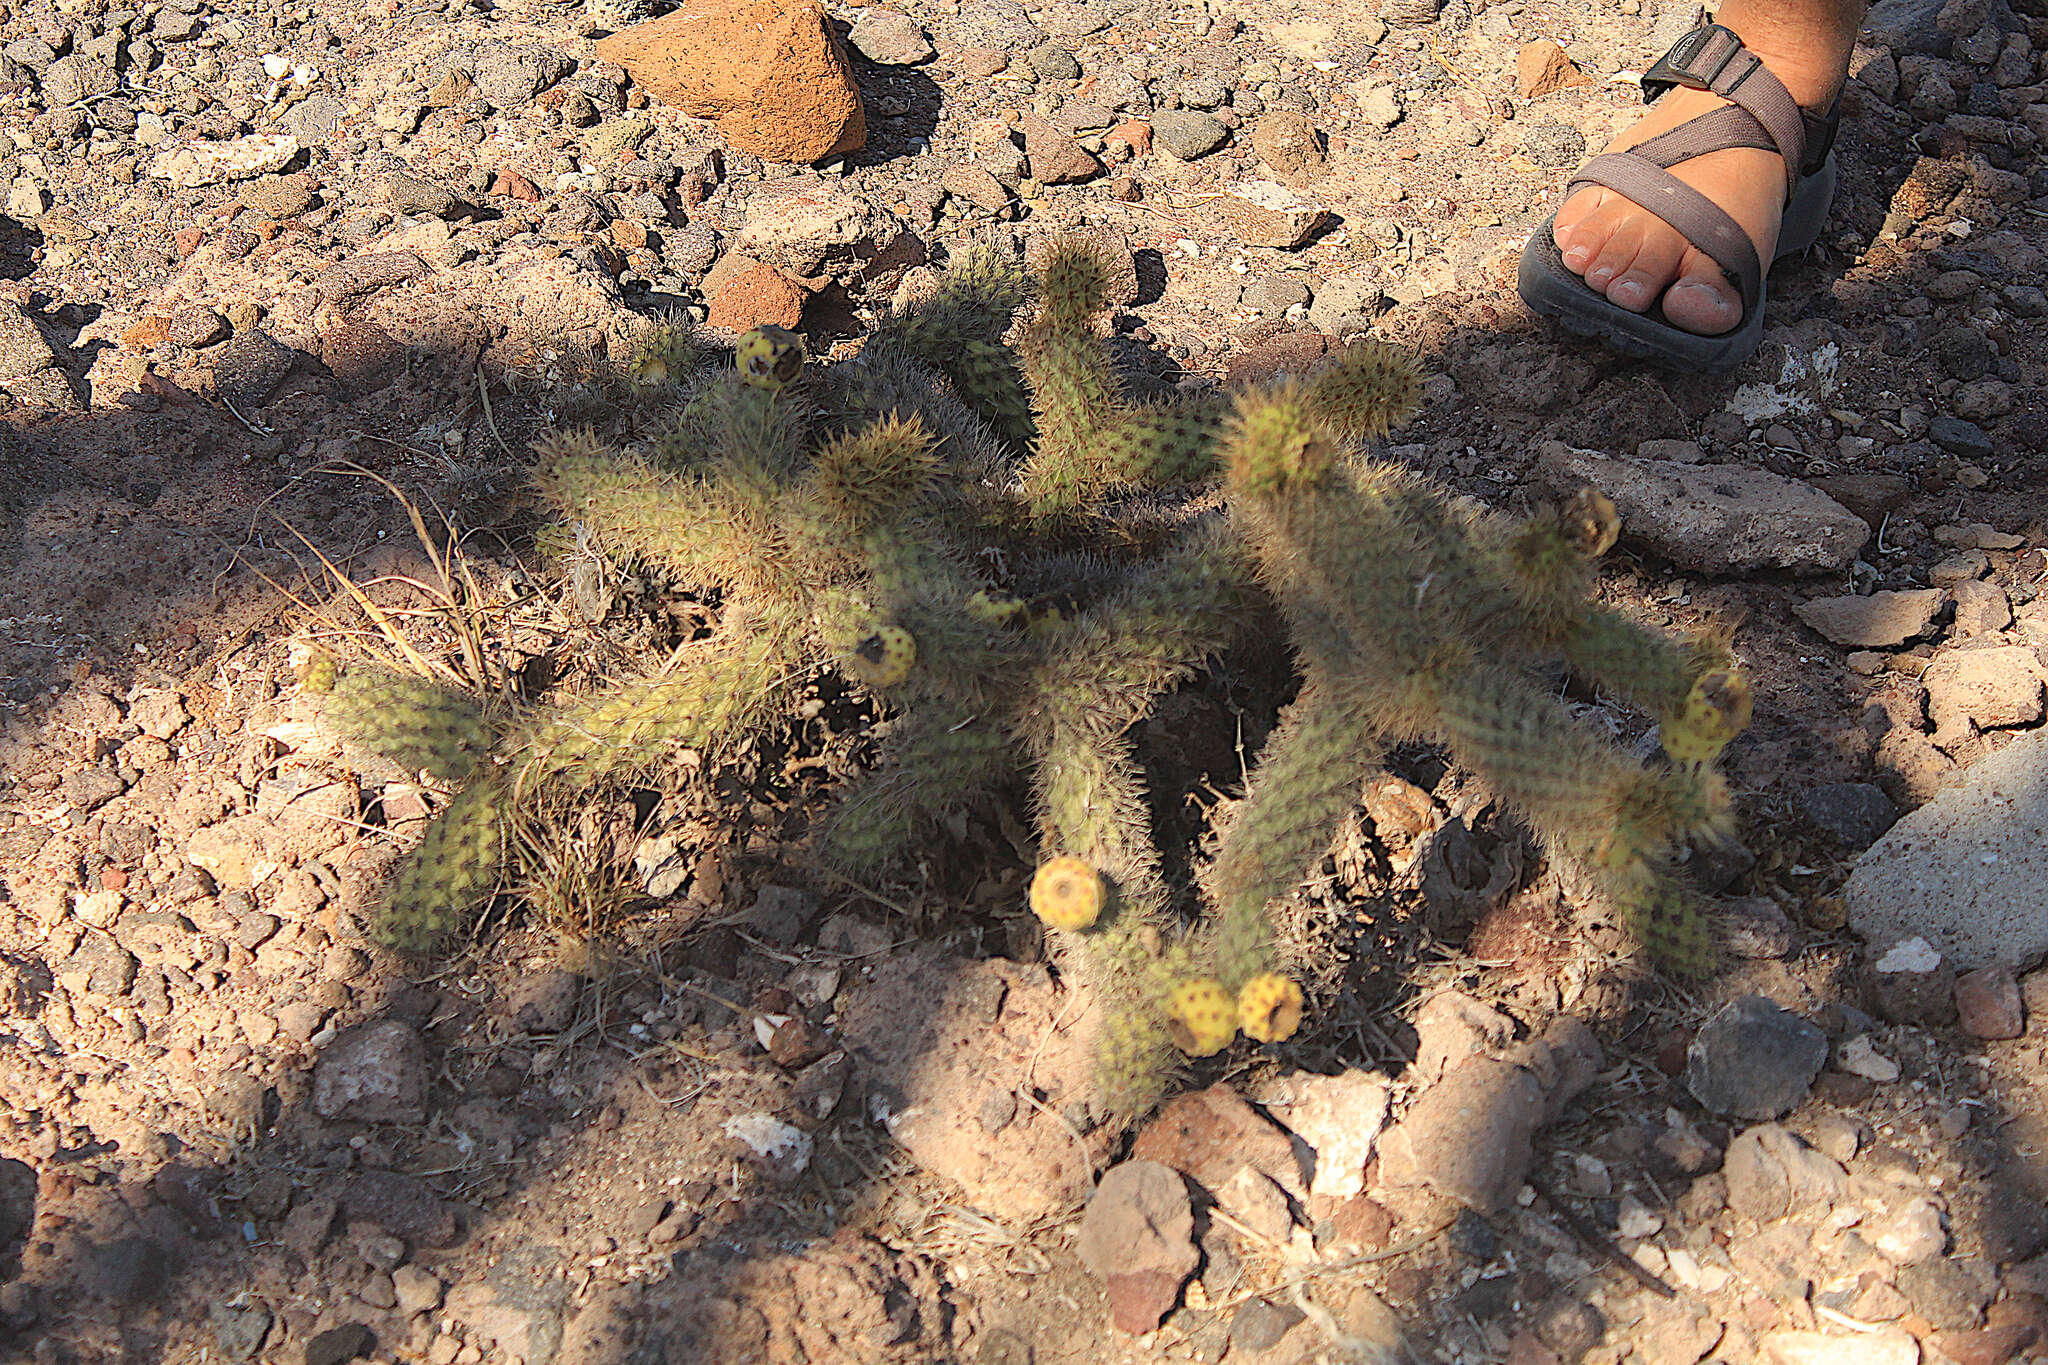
[{"x": 1761, "y": 114}]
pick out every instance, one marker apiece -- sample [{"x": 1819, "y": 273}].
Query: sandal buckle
[{"x": 1697, "y": 62}]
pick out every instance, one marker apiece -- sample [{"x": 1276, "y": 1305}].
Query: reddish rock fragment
[
  {"x": 511, "y": 184},
  {"x": 1542, "y": 68},
  {"x": 1988, "y": 1003},
  {"x": 758, "y": 294},
  {"x": 771, "y": 72}
]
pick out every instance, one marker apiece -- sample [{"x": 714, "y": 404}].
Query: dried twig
[{"x": 1600, "y": 1241}]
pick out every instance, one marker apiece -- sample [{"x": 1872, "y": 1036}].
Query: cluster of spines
[
  {"x": 959, "y": 333},
  {"x": 1093, "y": 440},
  {"x": 419, "y": 724},
  {"x": 667, "y": 357},
  {"x": 722, "y": 690},
  {"x": 437, "y": 886}
]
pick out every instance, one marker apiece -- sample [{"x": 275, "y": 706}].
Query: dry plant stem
[{"x": 1600, "y": 1242}]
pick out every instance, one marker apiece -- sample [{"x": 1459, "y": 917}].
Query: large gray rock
[
  {"x": 1988, "y": 689},
  {"x": 1754, "y": 1059},
  {"x": 1468, "y": 1136},
  {"x": 889, "y": 37},
  {"x": 71, "y": 79},
  {"x": 1931, "y": 26},
  {"x": 248, "y": 369},
  {"x": 1772, "y": 1173},
  {"x": 813, "y": 229},
  {"x": 509, "y": 76},
  {"x": 17, "y": 1212},
  {"x": 1968, "y": 870},
  {"x": 1719, "y": 518},
  {"x": 1186, "y": 134},
  {"x": 23, "y": 351}
]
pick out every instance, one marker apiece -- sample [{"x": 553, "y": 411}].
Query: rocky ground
[{"x": 254, "y": 252}]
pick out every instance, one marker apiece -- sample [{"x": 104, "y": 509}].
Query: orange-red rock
[
  {"x": 771, "y": 72},
  {"x": 1542, "y": 68},
  {"x": 516, "y": 186},
  {"x": 758, "y": 294},
  {"x": 153, "y": 331},
  {"x": 1135, "y": 134}
]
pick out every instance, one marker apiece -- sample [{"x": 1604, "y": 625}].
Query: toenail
[
  {"x": 1576, "y": 257},
  {"x": 1710, "y": 302},
  {"x": 1599, "y": 277}
]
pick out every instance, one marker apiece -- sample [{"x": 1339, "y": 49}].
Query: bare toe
[
  {"x": 1655, "y": 264},
  {"x": 1701, "y": 299},
  {"x": 1592, "y": 236},
  {"x": 1618, "y": 255},
  {"x": 1578, "y": 231}
]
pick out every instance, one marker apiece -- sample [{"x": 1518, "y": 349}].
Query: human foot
[
  {"x": 1635, "y": 258},
  {"x": 1627, "y": 253}
]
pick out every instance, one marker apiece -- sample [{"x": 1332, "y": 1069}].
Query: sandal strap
[
  {"x": 1691, "y": 214},
  {"x": 1712, "y": 58},
  {"x": 1717, "y": 130},
  {"x": 1820, "y": 134}
]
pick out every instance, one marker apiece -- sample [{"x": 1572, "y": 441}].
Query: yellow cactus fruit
[
  {"x": 997, "y": 609},
  {"x": 1269, "y": 1007},
  {"x": 1047, "y": 614},
  {"x": 1201, "y": 1017},
  {"x": 769, "y": 357},
  {"x": 884, "y": 658},
  {"x": 1716, "y": 710},
  {"x": 1067, "y": 893},
  {"x": 665, "y": 356}
]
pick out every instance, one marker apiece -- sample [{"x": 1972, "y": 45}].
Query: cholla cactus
[
  {"x": 665, "y": 357},
  {"x": 937, "y": 519},
  {"x": 416, "y": 723},
  {"x": 1417, "y": 618}
]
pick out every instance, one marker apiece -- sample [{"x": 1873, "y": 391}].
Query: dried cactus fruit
[
  {"x": 1201, "y": 1017},
  {"x": 1067, "y": 893},
  {"x": 1269, "y": 1007},
  {"x": 1716, "y": 710},
  {"x": 884, "y": 657},
  {"x": 770, "y": 357}
]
